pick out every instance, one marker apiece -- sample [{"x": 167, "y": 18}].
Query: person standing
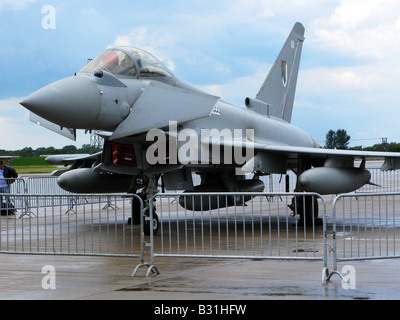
[{"x": 7, "y": 177}]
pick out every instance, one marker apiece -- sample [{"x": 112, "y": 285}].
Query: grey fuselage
[{"x": 267, "y": 130}]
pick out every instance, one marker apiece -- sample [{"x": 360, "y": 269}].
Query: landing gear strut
[
  {"x": 307, "y": 208},
  {"x": 149, "y": 190}
]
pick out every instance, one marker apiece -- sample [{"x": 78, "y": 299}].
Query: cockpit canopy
[{"x": 127, "y": 62}]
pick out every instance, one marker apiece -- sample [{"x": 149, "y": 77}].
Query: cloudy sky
[{"x": 349, "y": 73}]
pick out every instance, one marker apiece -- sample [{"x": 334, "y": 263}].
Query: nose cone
[{"x": 73, "y": 102}]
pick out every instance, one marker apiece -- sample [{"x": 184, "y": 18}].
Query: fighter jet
[{"x": 157, "y": 125}]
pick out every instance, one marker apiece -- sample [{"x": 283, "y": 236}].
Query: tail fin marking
[{"x": 280, "y": 86}]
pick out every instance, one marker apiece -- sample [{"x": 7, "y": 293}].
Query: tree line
[
  {"x": 388, "y": 147},
  {"x": 28, "y": 152},
  {"x": 340, "y": 140}
]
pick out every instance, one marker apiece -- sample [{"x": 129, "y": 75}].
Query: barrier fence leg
[
  {"x": 326, "y": 275},
  {"x": 26, "y": 210},
  {"x": 151, "y": 268},
  {"x": 325, "y": 270}
]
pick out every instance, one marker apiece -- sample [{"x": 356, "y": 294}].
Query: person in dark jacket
[{"x": 7, "y": 177}]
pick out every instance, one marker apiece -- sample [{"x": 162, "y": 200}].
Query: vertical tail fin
[{"x": 280, "y": 86}]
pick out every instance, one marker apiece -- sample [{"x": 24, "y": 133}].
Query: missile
[
  {"x": 210, "y": 202},
  {"x": 325, "y": 180},
  {"x": 86, "y": 181}
]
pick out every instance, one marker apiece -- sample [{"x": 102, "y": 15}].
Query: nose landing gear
[{"x": 147, "y": 193}]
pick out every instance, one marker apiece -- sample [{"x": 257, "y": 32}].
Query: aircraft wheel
[
  {"x": 151, "y": 225},
  {"x": 307, "y": 211},
  {"x": 135, "y": 212}
]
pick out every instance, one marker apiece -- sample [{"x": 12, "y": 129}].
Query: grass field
[{"x": 32, "y": 165}]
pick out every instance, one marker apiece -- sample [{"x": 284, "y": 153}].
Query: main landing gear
[
  {"x": 307, "y": 209},
  {"x": 304, "y": 206}
]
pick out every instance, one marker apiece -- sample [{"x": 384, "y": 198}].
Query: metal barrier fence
[
  {"x": 88, "y": 230},
  {"x": 18, "y": 186},
  {"x": 386, "y": 182},
  {"x": 43, "y": 185},
  {"x": 36, "y": 185},
  {"x": 365, "y": 226},
  {"x": 254, "y": 225},
  {"x": 47, "y": 185},
  {"x": 262, "y": 228}
]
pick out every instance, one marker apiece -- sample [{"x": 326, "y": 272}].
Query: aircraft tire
[
  {"x": 307, "y": 209},
  {"x": 154, "y": 225},
  {"x": 135, "y": 212}
]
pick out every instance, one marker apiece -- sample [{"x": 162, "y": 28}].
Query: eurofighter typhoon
[{"x": 156, "y": 125}]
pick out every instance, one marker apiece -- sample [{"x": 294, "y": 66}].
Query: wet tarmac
[{"x": 109, "y": 278}]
